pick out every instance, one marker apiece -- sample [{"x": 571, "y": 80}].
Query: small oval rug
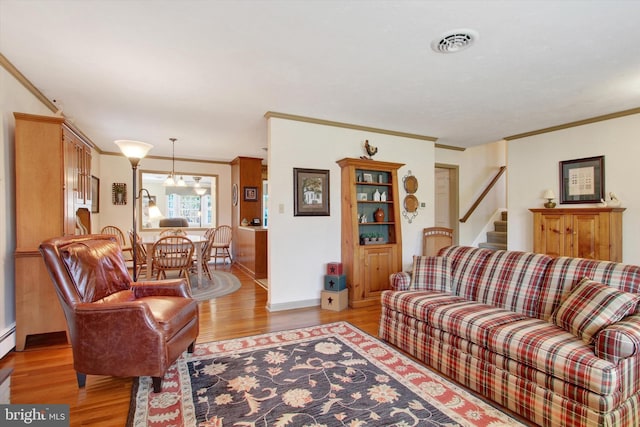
[{"x": 223, "y": 283}]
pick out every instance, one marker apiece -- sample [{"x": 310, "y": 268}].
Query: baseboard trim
[
  {"x": 7, "y": 340},
  {"x": 294, "y": 304}
]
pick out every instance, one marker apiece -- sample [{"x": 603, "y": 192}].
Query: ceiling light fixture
[
  {"x": 200, "y": 191},
  {"x": 454, "y": 41},
  {"x": 171, "y": 179}
]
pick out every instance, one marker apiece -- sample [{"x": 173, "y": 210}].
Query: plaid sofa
[{"x": 554, "y": 340}]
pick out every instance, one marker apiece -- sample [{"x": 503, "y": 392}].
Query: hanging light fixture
[
  {"x": 171, "y": 178},
  {"x": 199, "y": 189}
]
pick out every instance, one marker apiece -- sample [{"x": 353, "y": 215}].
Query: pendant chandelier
[{"x": 171, "y": 180}]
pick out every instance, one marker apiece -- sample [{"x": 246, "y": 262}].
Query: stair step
[
  {"x": 497, "y": 237},
  {"x": 494, "y": 246},
  {"x": 504, "y": 215},
  {"x": 500, "y": 226}
]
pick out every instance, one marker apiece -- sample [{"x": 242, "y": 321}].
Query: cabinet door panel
[
  {"x": 586, "y": 236},
  {"x": 378, "y": 267},
  {"x": 552, "y": 235}
]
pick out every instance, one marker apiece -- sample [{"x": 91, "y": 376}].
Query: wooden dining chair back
[
  {"x": 206, "y": 251},
  {"x": 173, "y": 232},
  {"x": 436, "y": 238},
  {"x": 119, "y": 235},
  {"x": 173, "y": 253},
  {"x": 141, "y": 255},
  {"x": 221, "y": 244}
]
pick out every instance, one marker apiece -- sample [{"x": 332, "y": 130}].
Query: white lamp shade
[
  {"x": 154, "y": 212},
  {"x": 549, "y": 195},
  {"x": 133, "y": 149}
]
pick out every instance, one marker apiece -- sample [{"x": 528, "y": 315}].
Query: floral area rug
[{"x": 321, "y": 376}]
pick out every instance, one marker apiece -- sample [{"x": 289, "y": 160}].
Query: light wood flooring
[{"x": 43, "y": 373}]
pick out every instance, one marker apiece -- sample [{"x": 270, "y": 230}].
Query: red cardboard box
[{"x": 334, "y": 268}]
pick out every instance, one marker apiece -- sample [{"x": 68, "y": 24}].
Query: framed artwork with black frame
[
  {"x": 95, "y": 194},
  {"x": 311, "y": 192},
  {"x": 251, "y": 194},
  {"x": 582, "y": 180}
]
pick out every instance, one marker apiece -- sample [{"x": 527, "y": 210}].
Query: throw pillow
[
  {"x": 431, "y": 274},
  {"x": 592, "y": 306}
]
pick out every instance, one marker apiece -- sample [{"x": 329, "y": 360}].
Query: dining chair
[
  {"x": 206, "y": 251},
  {"x": 221, "y": 244},
  {"x": 119, "y": 235},
  {"x": 173, "y": 253},
  {"x": 173, "y": 232},
  {"x": 436, "y": 238},
  {"x": 141, "y": 255}
]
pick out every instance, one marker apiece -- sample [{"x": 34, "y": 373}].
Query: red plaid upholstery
[
  {"x": 512, "y": 280},
  {"x": 502, "y": 346},
  {"x": 592, "y": 306},
  {"x": 564, "y": 273},
  {"x": 431, "y": 274},
  {"x": 620, "y": 340},
  {"x": 400, "y": 281},
  {"x": 467, "y": 264}
]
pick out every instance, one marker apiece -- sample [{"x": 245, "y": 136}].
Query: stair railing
[{"x": 484, "y": 194}]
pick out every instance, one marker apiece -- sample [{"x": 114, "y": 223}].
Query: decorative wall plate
[
  {"x": 410, "y": 184},
  {"x": 410, "y": 203},
  {"x": 234, "y": 194}
]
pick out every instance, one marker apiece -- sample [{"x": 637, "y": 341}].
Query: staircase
[{"x": 497, "y": 239}]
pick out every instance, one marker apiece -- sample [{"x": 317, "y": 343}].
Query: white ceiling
[{"x": 206, "y": 72}]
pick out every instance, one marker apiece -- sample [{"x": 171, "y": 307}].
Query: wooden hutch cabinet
[
  {"x": 53, "y": 191},
  {"x": 593, "y": 233},
  {"x": 369, "y": 186}
]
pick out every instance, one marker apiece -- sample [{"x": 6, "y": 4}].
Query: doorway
[{"x": 446, "y": 197}]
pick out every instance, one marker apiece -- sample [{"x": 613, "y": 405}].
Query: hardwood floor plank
[{"x": 43, "y": 373}]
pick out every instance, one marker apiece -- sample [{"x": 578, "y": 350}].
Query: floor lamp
[{"x": 134, "y": 151}]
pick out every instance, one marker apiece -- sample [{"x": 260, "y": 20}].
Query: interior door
[{"x": 446, "y": 198}]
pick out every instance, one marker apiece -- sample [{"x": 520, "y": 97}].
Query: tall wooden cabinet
[
  {"x": 53, "y": 188},
  {"x": 369, "y": 186},
  {"x": 593, "y": 233}
]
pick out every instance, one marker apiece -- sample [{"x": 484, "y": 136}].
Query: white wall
[
  {"x": 533, "y": 165},
  {"x": 13, "y": 98},
  {"x": 300, "y": 247},
  {"x": 116, "y": 168}
]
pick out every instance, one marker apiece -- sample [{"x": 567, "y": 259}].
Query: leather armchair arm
[
  {"x": 167, "y": 288},
  {"x": 140, "y": 340}
]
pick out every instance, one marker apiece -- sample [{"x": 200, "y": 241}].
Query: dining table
[{"x": 198, "y": 243}]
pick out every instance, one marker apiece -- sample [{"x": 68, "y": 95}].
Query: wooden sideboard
[
  {"x": 53, "y": 191},
  {"x": 593, "y": 233},
  {"x": 251, "y": 251}
]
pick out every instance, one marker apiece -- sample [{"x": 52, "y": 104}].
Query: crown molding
[
  {"x": 274, "y": 114},
  {"x": 180, "y": 159},
  {"x": 574, "y": 124}
]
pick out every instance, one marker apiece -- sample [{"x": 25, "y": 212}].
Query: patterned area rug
[
  {"x": 223, "y": 283},
  {"x": 327, "y": 375}
]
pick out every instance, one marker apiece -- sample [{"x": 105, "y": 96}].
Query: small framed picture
[
  {"x": 362, "y": 196},
  {"x": 311, "y": 192},
  {"x": 367, "y": 177},
  {"x": 251, "y": 194}
]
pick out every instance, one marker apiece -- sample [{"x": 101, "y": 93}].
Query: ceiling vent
[{"x": 454, "y": 41}]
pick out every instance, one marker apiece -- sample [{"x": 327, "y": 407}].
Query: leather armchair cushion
[{"x": 96, "y": 267}]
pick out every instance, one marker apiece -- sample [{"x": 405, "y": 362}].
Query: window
[{"x": 196, "y": 201}]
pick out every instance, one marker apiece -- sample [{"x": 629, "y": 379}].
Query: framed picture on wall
[
  {"x": 582, "y": 180},
  {"x": 251, "y": 194},
  {"x": 310, "y": 192}
]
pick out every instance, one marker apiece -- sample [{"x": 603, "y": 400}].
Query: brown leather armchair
[{"x": 118, "y": 327}]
